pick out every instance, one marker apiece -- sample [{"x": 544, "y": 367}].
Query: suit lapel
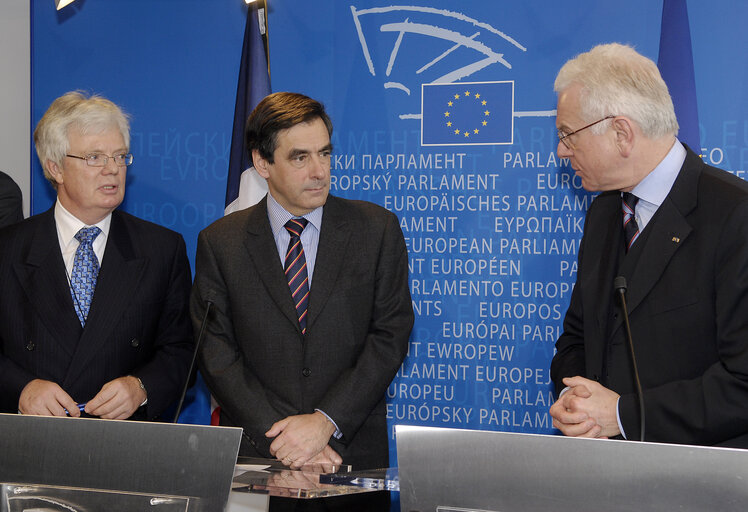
[
  {"x": 668, "y": 233},
  {"x": 43, "y": 279},
  {"x": 263, "y": 253},
  {"x": 331, "y": 253},
  {"x": 119, "y": 277},
  {"x": 670, "y": 229}
]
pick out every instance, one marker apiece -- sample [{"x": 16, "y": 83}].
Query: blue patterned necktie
[
  {"x": 295, "y": 268},
  {"x": 85, "y": 271}
]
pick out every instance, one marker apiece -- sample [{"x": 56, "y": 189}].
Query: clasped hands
[
  {"x": 586, "y": 409},
  {"x": 303, "y": 439},
  {"x": 118, "y": 399}
]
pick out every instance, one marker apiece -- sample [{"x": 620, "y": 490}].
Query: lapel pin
[{"x": 676, "y": 239}]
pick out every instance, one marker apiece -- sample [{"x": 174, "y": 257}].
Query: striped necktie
[
  {"x": 295, "y": 269},
  {"x": 630, "y": 227},
  {"x": 85, "y": 272}
]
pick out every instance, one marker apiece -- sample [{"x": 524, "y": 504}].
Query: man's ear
[
  {"x": 625, "y": 135},
  {"x": 261, "y": 165},
  {"x": 55, "y": 171}
]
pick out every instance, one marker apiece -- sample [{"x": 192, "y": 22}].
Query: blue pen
[{"x": 81, "y": 408}]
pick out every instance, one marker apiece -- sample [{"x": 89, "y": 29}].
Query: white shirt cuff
[
  {"x": 618, "y": 418},
  {"x": 338, "y": 434}
]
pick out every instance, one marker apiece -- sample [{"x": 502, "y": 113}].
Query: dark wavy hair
[{"x": 277, "y": 112}]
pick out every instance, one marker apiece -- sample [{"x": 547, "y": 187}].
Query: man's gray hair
[
  {"x": 90, "y": 114},
  {"x": 617, "y": 80}
]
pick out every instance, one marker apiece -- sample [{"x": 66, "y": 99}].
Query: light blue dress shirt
[
  {"x": 278, "y": 216},
  {"x": 652, "y": 191}
]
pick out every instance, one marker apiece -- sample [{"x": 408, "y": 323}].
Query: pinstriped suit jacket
[
  {"x": 138, "y": 323},
  {"x": 688, "y": 304}
]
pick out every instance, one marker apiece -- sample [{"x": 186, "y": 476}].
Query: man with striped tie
[
  {"x": 676, "y": 230},
  {"x": 311, "y": 310},
  {"x": 94, "y": 302}
]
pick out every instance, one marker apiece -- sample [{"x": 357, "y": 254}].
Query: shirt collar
[
  {"x": 68, "y": 224},
  {"x": 278, "y": 216},
  {"x": 657, "y": 184}
]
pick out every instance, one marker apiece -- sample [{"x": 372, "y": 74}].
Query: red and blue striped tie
[{"x": 295, "y": 268}]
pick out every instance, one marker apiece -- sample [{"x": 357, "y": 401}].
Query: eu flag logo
[{"x": 467, "y": 113}]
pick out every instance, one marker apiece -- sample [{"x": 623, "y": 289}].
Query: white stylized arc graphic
[
  {"x": 396, "y": 85},
  {"x": 527, "y": 113},
  {"x": 449, "y": 35},
  {"x": 440, "y": 57},
  {"x": 431, "y": 10},
  {"x": 443, "y": 12},
  {"x": 535, "y": 113},
  {"x": 362, "y": 40},
  {"x": 395, "y": 49}
]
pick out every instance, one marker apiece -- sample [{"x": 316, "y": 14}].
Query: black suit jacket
[
  {"x": 11, "y": 201},
  {"x": 138, "y": 323},
  {"x": 688, "y": 305},
  {"x": 259, "y": 366}
]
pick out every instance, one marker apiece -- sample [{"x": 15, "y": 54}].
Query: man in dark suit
[
  {"x": 677, "y": 231},
  {"x": 94, "y": 306},
  {"x": 11, "y": 201},
  {"x": 303, "y": 369}
]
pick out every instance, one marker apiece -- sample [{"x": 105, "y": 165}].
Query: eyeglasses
[
  {"x": 100, "y": 160},
  {"x": 564, "y": 137}
]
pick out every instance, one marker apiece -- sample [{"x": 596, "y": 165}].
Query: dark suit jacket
[
  {"x": 138, "y": 323},
  {"x": 11, "y": 201},
  {"x": 254, "y": 358},
  {"x": 688, "y": 304}
]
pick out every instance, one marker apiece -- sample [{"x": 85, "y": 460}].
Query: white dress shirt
[{"x": 67, "y": 227}]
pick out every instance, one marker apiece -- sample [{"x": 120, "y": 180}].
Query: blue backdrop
[{"x": 492, "y": 219}]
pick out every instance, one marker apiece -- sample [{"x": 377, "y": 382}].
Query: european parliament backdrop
[{"x": 443, "y": 113}]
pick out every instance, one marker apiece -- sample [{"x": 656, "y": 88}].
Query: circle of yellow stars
[{"x": 466, "y": 96}]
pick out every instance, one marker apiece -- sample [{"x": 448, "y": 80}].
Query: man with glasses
[
  {"x": 677, "y": 231},
  {"x": 94, "y": 302}
]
